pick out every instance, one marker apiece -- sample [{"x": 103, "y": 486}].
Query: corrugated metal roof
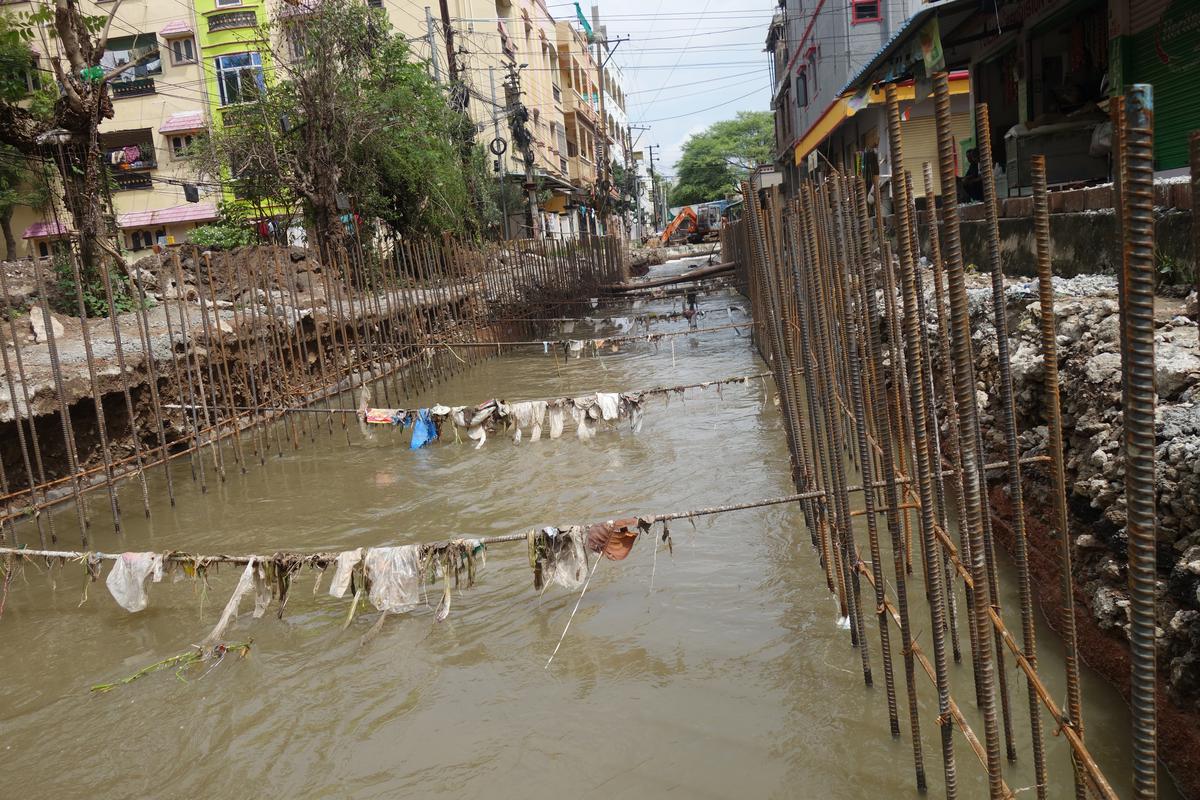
[
  {"x": 190, "y": 212},
  {"x": 176, "y": 27},
  {"x": 183, "y": 121},
  {"x": 40, "y": 230}
]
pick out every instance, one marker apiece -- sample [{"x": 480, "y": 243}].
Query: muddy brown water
[{"x": 718, "y": 671}]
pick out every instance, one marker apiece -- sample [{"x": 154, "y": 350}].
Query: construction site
[{"x": 368, "y": 505}]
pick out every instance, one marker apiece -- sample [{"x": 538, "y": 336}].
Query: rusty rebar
[
  {"x": 964, "y": 390},
  {"x": 64, "y": 413},
  {"x": 1137, "y": 363},
  {"x": 1008, "y": 415},
  {"x": 1058, "y": 482},
  {"x": 920, "y": 422}
]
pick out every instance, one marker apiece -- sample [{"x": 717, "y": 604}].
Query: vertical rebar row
[
  {"x": 1012, "y": 445},
  {"x": 964, "y": 390},
  {"x": 884, "y": 434},
  {"x": 1137, "y": 363},
  {"x": 912, "y": 335}
]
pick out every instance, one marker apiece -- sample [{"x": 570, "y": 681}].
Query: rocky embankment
[{"x": 1090, "y": 375}]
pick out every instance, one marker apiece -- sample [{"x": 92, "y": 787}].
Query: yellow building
[
  {"x": 577, "y": 71},
  {"x": 159, "y": 105}
]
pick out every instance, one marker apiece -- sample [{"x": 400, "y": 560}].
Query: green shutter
[{"x": 1167, "y": 56}]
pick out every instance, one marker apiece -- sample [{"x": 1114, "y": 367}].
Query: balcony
[
  {"x": 231, "y": 20},
  {"x": 130, "y": 181},
  {"x": 134, "y": 88},
  {"x": 131, "y": 158}
]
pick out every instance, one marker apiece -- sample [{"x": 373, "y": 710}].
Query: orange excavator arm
[{"x": 685, "y": 213}]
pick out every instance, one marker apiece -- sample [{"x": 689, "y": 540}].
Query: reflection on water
[{"x": 728, "y": 678}]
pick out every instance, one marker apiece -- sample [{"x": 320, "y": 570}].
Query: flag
[{"x": 587, "y": 26}]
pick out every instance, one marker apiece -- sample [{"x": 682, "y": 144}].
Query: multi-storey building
[
  {"x": 581, "y": 101},
  {"x": 197, "y": 61},
  {"x": 816, "y": 50},
  {"x": 159, "y": 104}
]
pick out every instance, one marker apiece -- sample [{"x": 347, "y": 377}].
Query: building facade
[{"x": 194, "y": 63}]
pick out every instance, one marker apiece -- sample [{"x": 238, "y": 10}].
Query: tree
[
  {"x": 348, "y": 123},
  {"x": 75, "y": 45},
  {"x": 715, "y": 160}
]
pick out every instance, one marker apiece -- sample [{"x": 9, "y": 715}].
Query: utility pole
[
  {"x": 448, "y": 29},
  {"x": 653, "y": 189},
  {"x": 518, "y": 118},
  {"x": 601, "y": 37},
  {"x": 431, "y": 37},
  {"x": 501, "y": 172}
]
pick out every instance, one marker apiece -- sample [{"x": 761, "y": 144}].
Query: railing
[
  {"x": 232, "y": 19},
  {"x": 134, "y": 88},
  {"x": 139, "y": 163},
  {"x": 129, "y": 181}
]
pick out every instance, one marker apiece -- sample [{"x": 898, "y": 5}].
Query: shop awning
[
  {"x": 190, "y": 212},
  {"x": 845, "y": 106}
]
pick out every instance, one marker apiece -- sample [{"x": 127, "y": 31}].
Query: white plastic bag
[
  {"x": 395, "y": 577},
  {"x": 127, "y": 580}
]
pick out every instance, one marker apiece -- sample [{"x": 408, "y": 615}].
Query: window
[
  {"x": 183, "y": 51},
  {"x": 228, "y": 3},
  {"x": 33, "y": 78},
  {"x": 802, "y": 88},
  {"x": 864, "y": 11},
  {"x": 239, "y": 77},
  {"x": 139, "y": 52},
  {"x": 143, "y": 240},
  {"x": 180, "y": 145}
]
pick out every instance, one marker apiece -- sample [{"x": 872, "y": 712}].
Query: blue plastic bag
[{"x": 424, "y": 431}]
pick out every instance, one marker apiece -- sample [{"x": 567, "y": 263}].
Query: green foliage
[
  {"x": 1171, "y": 271},
  {"x": 716, "y": 159},
  {"x": 95, "y": 300},
  {"x": 352, "y": 116},
  {"x": 221, "y": 236}
]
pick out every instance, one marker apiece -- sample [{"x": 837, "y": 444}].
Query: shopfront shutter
[
  {"x": 919, "y": 137},
  {"x": 1166, "y": 54}
]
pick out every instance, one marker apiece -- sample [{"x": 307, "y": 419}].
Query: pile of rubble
[{"x": 1090, "y": 374}]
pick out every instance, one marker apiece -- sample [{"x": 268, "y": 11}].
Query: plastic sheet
[
  {"x": 245, "y": 583},
  {"x": 394, "y": 575},
  {"x": 565, "y": 558}
]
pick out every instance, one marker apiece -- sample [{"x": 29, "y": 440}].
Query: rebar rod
[
  {"x": 964, "y": 389},
  {"x": 1058, "y": 482},
  {"x": 1137, "y": 363},
  {"x": 920, "y": 430}
]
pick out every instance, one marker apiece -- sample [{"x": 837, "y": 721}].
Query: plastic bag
[
  {"x": 127, "y": 580},
  {"x": 394, "y": 574},
  {"x": 424, "y": 431},
  {"x": 346, "y": 562}
]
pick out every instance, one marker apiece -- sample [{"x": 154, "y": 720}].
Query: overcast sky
[{"x": 687, "y": 64}]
